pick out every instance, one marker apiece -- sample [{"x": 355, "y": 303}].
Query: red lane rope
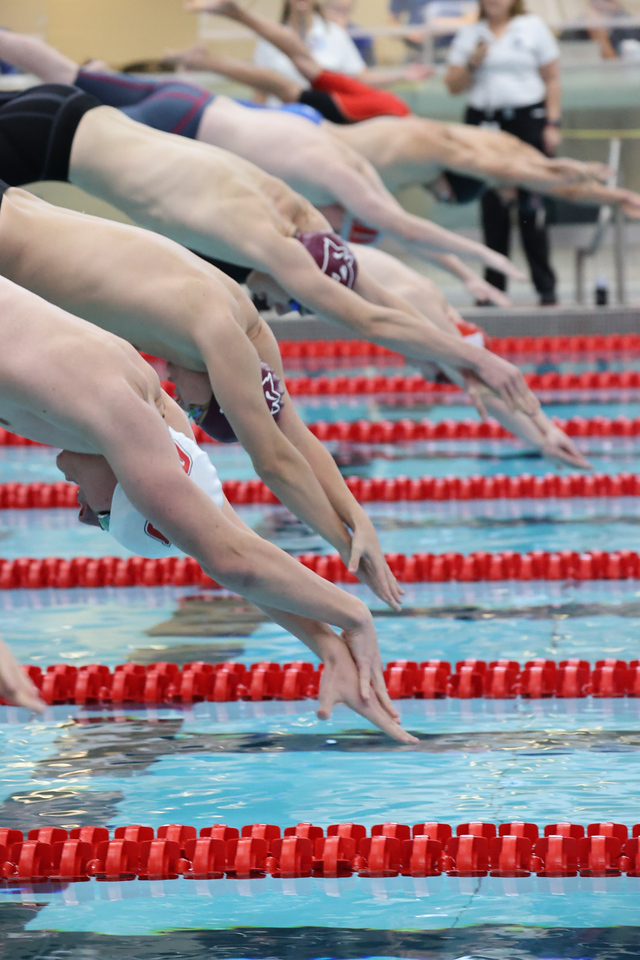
[
  {"x": 25, "y": 496},
  {"x": 415, "y": 384},
  {"x": 165, "y": 683},
  {"x": 406, "y": 430},
  {"x": 53, "y": 572},
  {"x": 596, "y": 345},
  {"x": 428, "y": 849}
]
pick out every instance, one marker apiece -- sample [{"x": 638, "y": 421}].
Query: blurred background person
[
  {"x": 329, "y": 42},
  {"x": 508, "y": 63},
  {"x": 612, "y": 40},
  {"x": 411, "y": 13},
  {"x": 331, "y": 46},
  {"x": 340, "y": 12}
]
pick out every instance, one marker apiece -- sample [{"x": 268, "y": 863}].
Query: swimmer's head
[
  {"x": 450, "y": 187},
  {"x": 194, "y": 394},
  {"x": 332, "y": 254},
  {"x": 104, "y": 503},
  {"x": 301, "y": 8},
  {"x": 96, "y": 480}
]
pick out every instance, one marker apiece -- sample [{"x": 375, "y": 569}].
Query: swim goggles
[
  {"x": 197, "y": 411},
  {"x": 104, "y": 519}
]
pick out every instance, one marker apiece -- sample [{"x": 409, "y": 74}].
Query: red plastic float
[
  {"x": 51, "y": 572},
  {"x": 387, "y": 432},
  {"x": 432, "y": 679},
  {"x": 428, "y": 849},
  {"x": 559, "y": 347}
]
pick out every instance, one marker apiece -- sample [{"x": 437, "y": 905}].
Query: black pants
[{"x": 527, "y": 123}]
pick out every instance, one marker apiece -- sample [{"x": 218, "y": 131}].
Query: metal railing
[{"x": 607, "y": 217}]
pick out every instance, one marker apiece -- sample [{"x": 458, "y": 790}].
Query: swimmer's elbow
[
  {"x": 233, "y": 564},
  {"x": 280, "y": 464}
]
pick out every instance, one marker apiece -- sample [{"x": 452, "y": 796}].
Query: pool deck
[{"x": 498, "y": 322}]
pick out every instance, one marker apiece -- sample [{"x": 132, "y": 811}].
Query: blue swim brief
[{"x": 174, "y": 107}]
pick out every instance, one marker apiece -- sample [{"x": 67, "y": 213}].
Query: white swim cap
[{"x": 129, "y": 527}]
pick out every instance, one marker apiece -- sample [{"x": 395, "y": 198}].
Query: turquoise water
[{"x": 275, "y": 762}]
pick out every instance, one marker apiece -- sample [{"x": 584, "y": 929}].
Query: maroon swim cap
[
  {"x": 332, "y": 255},
  {"x": 216, "y": 425}
]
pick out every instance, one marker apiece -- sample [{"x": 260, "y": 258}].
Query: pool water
[{"x": 273, "y": 762}]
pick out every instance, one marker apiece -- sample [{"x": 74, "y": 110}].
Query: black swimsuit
[{"x": 37, "y": 128}]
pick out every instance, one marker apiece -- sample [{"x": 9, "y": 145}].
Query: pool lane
[
  {"x": 579, "y": 524},
  {"x": 450, "y": 621}
]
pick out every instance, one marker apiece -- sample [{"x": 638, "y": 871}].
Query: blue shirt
[{"x": 415, "y": 9}]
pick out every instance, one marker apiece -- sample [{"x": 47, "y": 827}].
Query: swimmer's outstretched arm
[
  {"x": 596, "y": 193},
  {"x": 340, "y": 682},
  {"x": 355, "y": 183},
  {"x": 137, "y": 285},
  {"x": 531, "y": 425},
  {"x": 260, "y": 78},
  {"x": 33, "y": 55},
  {"x": 535, "y": 427},
  {"x": 136, "y": 444},
  {"x": 278, "y": 34},
  {"x": 15, "y": 686},
  {"x": 366, "y": 557},
  {"x": 286, "y": 40},
  {"x": 402, "y": 330}
]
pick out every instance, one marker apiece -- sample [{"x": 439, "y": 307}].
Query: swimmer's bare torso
[
  {"x": 286, "y": 146},
  {"x": 241, "y": 198},
  {"x": 49, "y": 391},
  {"x": 403, "y": 150},
  {"x": 99, "y": 270}
]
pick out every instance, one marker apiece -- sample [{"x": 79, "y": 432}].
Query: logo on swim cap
[
  {"x": 272, "y": 391},
  {"x": 155, "y": 534},
  {"x": 332, "y": 255},
  {"x": 215, "y": 424}
]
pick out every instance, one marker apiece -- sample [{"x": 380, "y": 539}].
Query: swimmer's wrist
[{"x": 542, "y": 422}]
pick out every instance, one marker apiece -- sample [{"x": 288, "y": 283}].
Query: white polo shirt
[
  {"x": 510, "y": 73},
  {"x": 329, "y": 43}
]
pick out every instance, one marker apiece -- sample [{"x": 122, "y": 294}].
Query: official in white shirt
[{"x": 509, "y": 63}]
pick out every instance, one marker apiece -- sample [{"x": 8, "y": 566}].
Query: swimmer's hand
[
  {"x": 630, "y": 205},
  {"x": 561, "y": 450},
  {"x": 339, "y": 684},
  {"x": 479, "y": 288},
  {"x": 415, "y": 72},
  {"x": 497, "y": 261},
  {"x": 367, "y": 562},
  {"x": 579, "y": 171},
  {"x": 15, "y": 685},
  {"x": 196, "y": 57},
  {"x": 506, "y": 380},
  {"x": 363, "y": 646},
  {"x": 475, "y": 388}
]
